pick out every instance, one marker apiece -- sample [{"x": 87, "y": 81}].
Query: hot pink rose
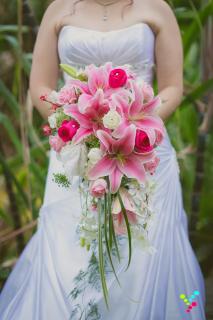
[
  {"x": 56, "y": 143},
  {"x": 43, "y": 97},
  {"x": 152, "y": 165},
  {"x": 142, "y": 143},
  {"x": 46, "y": 130},
  {"x": 117, "y": 78},
  {"x": 98, "y": 188},
  {"x": 68, "y": 129}
]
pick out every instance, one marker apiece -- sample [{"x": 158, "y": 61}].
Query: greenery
[{"x": 24, "y": 151}]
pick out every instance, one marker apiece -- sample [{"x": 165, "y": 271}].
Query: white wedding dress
[{"x": 39, "y": 286}]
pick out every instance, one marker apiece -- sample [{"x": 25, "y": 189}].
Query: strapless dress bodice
[{"x": 133, "y": 45}]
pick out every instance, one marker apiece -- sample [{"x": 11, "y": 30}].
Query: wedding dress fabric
[{"x": 42, "y": 278}]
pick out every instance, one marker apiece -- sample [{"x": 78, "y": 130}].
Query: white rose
[
  {"x": 111, "y": 120},
  {"x": 74, "y": 159},
  {"x": 53, "y": 97},
  {"x": 94, "y": 155},
  {"x": 52, "y": 120}
]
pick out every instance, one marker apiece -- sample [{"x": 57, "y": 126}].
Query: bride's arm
[
  {"x": 45, "y": 71},
  {"x": 169, "y": 62}
]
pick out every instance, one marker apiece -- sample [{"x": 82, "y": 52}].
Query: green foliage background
[{"x": 24, "y": 151}]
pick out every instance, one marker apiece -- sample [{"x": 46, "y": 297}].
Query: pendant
[{"x": 105, "y": 16}]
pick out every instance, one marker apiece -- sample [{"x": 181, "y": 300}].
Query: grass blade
[
  {"x": 100, "y": 255},
  {"x": 112, "y": 235},
  {"x": 106, "y": 239},
  {"x": 128, "y": 228}
]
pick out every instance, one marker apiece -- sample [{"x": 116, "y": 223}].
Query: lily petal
[
  {"x": 83, "y": 120},
  {"x": 137, "y": 104},
  {"x": 103, "y": 167},
  {"x": 97, "y": 78},
  {"x": 115, "y": 180},
  {"x": 80, "y": 84},
  {"x": 88, "y": 103},
  {"x": 126, "y": 143},
  {"x": 152, "y": 122},
  {"x": 106, "y": 140},
  {"x": 150, "y": 106},
  {"x": 120, "y": 130},
  {"x": 81, "y": 134},
  {"x": 132, "y": 168}
]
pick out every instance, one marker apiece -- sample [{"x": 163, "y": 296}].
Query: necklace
[{"x": 105, "y": 7}]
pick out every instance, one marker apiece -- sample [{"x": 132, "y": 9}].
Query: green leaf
[
  {"x": 106, "y": 239},
  {"x": 14, "y": 179},
  {"x": 198, "y": 92},
  {"x": 112, "y": 235},
  {"x": 100, "y": 255},
  {"x": 128, "y": 228},
  {"x": 69, "y": 70},
  {"x": 9, "y": 98},
  {"x": 8, "y": 125},
  {"x": 194, "y": 29},
  {"x": 12, "y": 28}
]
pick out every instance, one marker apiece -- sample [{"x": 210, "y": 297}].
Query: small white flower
[
  {"x": 111, "y": 120},
  {"x": 52, "y": 120},
  {"x": 94, "y": 155},
  {"x": 53, "y": 97}
]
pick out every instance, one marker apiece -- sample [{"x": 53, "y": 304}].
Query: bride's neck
[{"x": 106, "y": 1}]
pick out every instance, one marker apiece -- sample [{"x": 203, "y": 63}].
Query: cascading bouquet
[{"x": 104, "y": 129}]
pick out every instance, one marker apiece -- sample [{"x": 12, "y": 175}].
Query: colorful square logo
[{"x": 190, "y": 301}]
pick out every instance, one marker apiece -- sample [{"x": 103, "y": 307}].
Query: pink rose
[
  {"x": 142, "y": 143},
  {"x": 98, "y": 188},
  {"x": 152, "y": 165},
  {"x": 56, "y": 143},
  {"x": 46, "y": 130},
  {"x": 54, "y": 106},
  {"x": 68, "y": 129},
  {"x": 67, "y": 95},
  {"x": 117, "y": 78}
]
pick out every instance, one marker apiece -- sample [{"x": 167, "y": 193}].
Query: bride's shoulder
[
  {"x": 54, "y": 12},
  {"x": 155, "y": 6},
  {"x": 54, "y": 6},
  {"x": 158, "y": 12},
  {"x": 161, "y": 5}
]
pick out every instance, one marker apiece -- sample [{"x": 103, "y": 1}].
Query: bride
[{"x": 145, "y": 35}]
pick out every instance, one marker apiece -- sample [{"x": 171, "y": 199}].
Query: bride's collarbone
[{"x": 100, "y": 29}]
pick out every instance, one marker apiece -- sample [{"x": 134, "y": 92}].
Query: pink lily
[
  {"x": 142, "y": 116},
  {"x": 91, "y": 120},
  {"x": 119, "y": 159},
  {"x": 119, "y": 223},
  {"x": 98, "y": 78},
  {"x": 78, "y": 84}
]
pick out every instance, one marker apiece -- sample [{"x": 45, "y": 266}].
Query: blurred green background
[{"x": 24, "y": 151}]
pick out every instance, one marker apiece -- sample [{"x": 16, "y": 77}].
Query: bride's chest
[{"x": 133, "y": 45}]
